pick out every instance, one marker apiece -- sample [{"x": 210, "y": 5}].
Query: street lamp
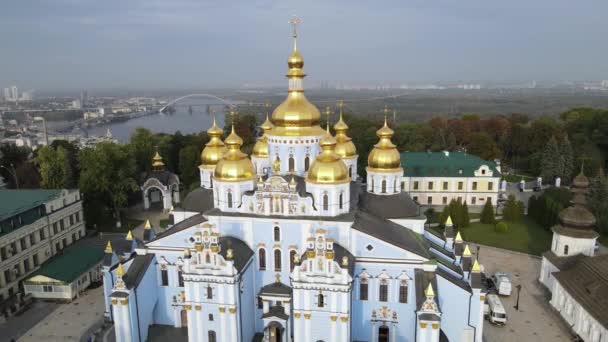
[
  {"x": 478, "y": 248},
  {"x": 12, "y": 173},
  {"x": 518, "y": 287}
]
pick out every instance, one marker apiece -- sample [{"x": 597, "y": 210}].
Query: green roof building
[{"x": 436, "y": 178}]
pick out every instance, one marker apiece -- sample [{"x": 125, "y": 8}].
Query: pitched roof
[
  {"x": 399, "y": 205},
  {"x": 137, "y": 269},
  {"x": 242, "y": 252},
  {"x": 72, "y": 263},
  {"x": 13, "y": 202},
  {"x": 392, "y": 233},
  {"x": 443, "y": 164},
  {"x": 276, "y": 289},
  {"x": 199, "y": 200},
  {"x": 587, "y": 282}
]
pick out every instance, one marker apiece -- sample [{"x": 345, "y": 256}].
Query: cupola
[
  {"x": 214, "y": 149},
  {"x": 328, "y": 167},
  {"x": 384, "y": 157},
  {"x": 234, "y": 166}
]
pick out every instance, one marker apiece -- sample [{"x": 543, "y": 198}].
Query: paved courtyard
[
  {"x": 535, "y": 320},
  {"x": 70, "y": 321}
]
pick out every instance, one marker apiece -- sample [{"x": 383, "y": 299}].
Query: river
[{"x": 181, "y": 121}]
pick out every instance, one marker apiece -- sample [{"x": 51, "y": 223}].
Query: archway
[
  {"x": 274, "y": 332},
  {"x": 383, "y": 332},
  {"x": 184, "y": 318},
  {"x": 154, "y": 198}
]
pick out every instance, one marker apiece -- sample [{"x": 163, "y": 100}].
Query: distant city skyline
[{"x": 142, "y": 44}]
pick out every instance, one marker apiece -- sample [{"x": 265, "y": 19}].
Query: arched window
[
  {"x": 211, "y": 180},
  {"x": 209, "y": 292},
  {"x": 373, "y": 184},
  {"x": 325, "y": 202},
  {"x": 262, "y": 259},
  {"x": 383, "y": 186},
  {"x": 306, "y": 163},
  {"x": 277, "y": 234},
  {"x": 403, "y": 291},
  {"x": 321, "y": 300},
  {"x": 229, "y": 199},
  {"x": 395, "y": 185},
  {"x": 566, "y": 250},
  {"x": 208, "y": 258},
  {"x": 383, "y": 290},
  {"x": 292, "y": 164},
  {"x": 363, "y": 289},
  {"x": 341, "y": 200},
  {"x": 292, "y": 257},
  {"x": 277, "y": 260},
  {"x": 350, "y": 172},
  {"x": 212, "y": 337}
]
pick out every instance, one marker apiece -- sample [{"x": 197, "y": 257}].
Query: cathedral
[{"x": 290, "y": 244}]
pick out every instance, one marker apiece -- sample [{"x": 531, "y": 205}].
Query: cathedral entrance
[
  {"x": 184, "y": 317},
  {"x": 274, "y": 332},
  {"x": 383, "y": 334}
]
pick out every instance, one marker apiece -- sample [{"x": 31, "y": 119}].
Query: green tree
[
  {"x": 483, "y": 146},
  {"x": 143, "y": 144},
  {"x": 108, "y": 173},
  {"x": 188, "y": 162},
  {"x": 567, "y": 156},
  {"x": 551, "y": 163},
  {"x": 513, "y": 209},
  {"x": 466, "y": 219},
  {"x": 597, "y": 199},
  {"x": 53, "y": 167},
  {"x": 487, "y": 214}
]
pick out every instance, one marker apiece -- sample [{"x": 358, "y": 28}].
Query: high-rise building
[
  {"x": 14, "y": 93},
  {"x": 84, "y": 97},
  {"x": 7, "y": 94}
]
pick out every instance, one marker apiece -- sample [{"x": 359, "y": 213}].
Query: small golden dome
[
  {"x": 214, "y": 149},
  {"x": 260, "y": 149},
  {"x": 345, "y": 146},
  {"x": 234, "y": 166},
  {"x": 157, "y": 162},
  {"x": 328, "y": 167},
  {"x": 384, "y": 157}
]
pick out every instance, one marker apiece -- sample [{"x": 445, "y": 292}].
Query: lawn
[
  {"x": 525, "y": 236},
  {"x": 517, "y": 178}
]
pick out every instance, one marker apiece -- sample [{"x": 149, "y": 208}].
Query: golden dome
[
  {"x": 296, "y": 116},
  {"x": 345, "y": 146},
  {"x": 384, "y": 157},
  {"x": 328, "y": 167},
  {"x": 260, "y": 149},
  {"x": 214, "y": 149},
  {"x": 157, "y": 162},
  {"x": 234, "y": 166}
]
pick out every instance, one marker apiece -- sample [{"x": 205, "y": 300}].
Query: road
[{"x": 16, "y": 326}]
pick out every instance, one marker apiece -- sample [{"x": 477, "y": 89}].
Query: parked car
[
  {"x": 503, "y": 283},
  {"x": 494, "y": 310}
]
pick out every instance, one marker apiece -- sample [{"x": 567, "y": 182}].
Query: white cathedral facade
[{"x": 289, "y": 244}]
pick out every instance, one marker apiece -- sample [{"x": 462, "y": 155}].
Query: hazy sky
[{"x": 64, "y": 44}]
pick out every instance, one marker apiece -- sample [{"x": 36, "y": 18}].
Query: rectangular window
[
  {"x": 415, "y": 198},
  {"x": 363, "y": 290},
  {"x": 444, "y": 200},
  {"x": 32, "y": 239},
  {"x": 383, "y": 294},
  {"x": 55, "y": 229},
  {"x": 429, "y": 200},
  {"x": 47, "y": 288},
  {"x": 3, "y": 253},
  {"x": 42, "y": 235},
  {"x": 260, "y": 303},
  {"x": 403, "y": 292},
  {"x": 7, "y": 276},
  {"x": 180, "y": 278},
  {"x": 490, "y": 186},
  {"x": 77, "y": 217},
  {"x": 430, "y": 186},
  {"x": 489, "y": 199},
  {"x": 61, "y": 224},
  {"x": 26, "y": 265},
  {"x": 36, "y": 262},
  {"x": 64, "y": 242},
  {"x": 474, "y": 185},
  {"x": 23, "y": 243},
  {"x": 71, "y": 220},
  {"x": 445, "y": 185},
  {"x": 13, "y": 248},
  {"x": 473, "y": 200},
  {"x": 416, "y": 185},
  {"x": 164, "y": 276},
  {"x": 209, "y": 292},
  {"x": 460, "y": 184}
]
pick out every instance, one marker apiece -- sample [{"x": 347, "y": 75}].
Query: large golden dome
[
  {"x": 328, "y": 167},
  {"x": 384, "y": 157},
  {"x": 344, "y": 144},
  {"x": 260, "y": 149},
  {"x": 214, "y": 149},
  {"x": 234, "y": 166},
  {"x": 296, "y": 116}
]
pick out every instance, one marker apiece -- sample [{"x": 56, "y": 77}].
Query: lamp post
[
  {"x": 518, "y": 287},
  {"x": 478, "y": 248},
  {"x": 12, "y": 173}
]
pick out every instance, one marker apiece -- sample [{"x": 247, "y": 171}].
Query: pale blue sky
[{"x": 205, "y": 43}]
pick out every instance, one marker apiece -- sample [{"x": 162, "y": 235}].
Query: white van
[
  {"x": 502, "y": 283},
  {"x": 494, "y": 310}
]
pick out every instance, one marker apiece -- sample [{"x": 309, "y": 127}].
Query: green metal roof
[
  {"x": 13, "y": 202},
  {"x": 442, "y": 164},
  {"x": 70, "y": 265}
]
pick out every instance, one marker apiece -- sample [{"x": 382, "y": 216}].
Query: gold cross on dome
[{"x": 295, "y": 21}]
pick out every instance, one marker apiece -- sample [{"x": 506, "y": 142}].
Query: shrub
[
  {"x": 487, "y": 214},
  {"x": 501, "y": 227}
]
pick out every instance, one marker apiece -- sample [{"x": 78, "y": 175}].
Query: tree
[
  {"x": 513, "y": 209},
  {"x": 487, "y": 214},
  {"x": 551, "y": 163},
  {"x": 465, "y": 220},
  {"x": 597, "y": 199},
  {"x": 108, "y": 173},
  {"x": 143, "y": 144},
  {"x": 430, "y": 214},
  {"x": 567, "y": 156},
  {"x": 188, "y": 162},
  {"x": 53, "y": 167},
  {"x": 483, "y": 146}
]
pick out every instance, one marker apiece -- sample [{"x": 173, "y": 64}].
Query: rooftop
[
  {"x": 13, "y": 202},
  {"x": 73, "y": 262},
  {"x": 443, "y": 164}
]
